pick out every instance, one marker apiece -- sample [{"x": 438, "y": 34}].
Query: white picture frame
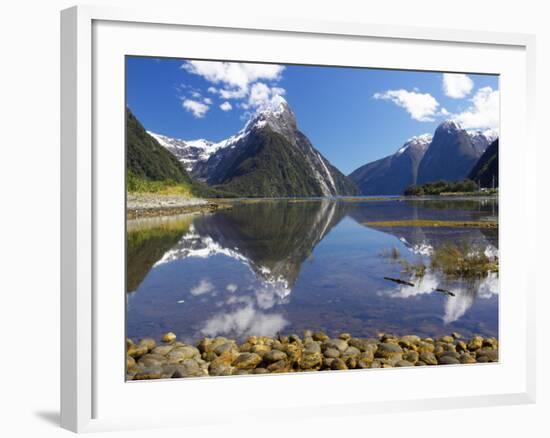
[{"x": 93, "y": 391}]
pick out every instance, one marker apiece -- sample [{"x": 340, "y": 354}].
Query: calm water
[{"x": 286, "y": 266}]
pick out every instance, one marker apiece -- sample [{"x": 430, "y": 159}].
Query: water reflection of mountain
[
  {"x": 272, "y": 238},
  {"x": 146, "y": 242},
  {"x": 421, "y": 237},
  {"x": 231, "y": 273},
  {"x": 421, "y": 241},
  {"x": 276, "y": 238}
]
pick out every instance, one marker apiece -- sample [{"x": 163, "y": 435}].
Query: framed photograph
[{"x": 313, "y": 218}]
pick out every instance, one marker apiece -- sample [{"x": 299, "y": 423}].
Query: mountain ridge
[
  {"x": 448, "y": 155},
  {"x": 270, "y": 157}
]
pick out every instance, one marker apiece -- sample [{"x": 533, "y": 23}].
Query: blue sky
[{"x": 351, "y": 115}]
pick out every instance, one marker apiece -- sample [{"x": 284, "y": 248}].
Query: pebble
[
  {"x": 388, "y": 350},
  {"x": 220, "y": 356},
  {"x": 168, "y": 337},
  {"x": 246, "y": 361}
]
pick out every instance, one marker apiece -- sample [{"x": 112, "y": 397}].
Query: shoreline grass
[{"x": 433, "y": 223}]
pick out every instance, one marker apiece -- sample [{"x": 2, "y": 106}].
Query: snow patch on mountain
[
  {"x": 190, "y": 152},
  {"x": 489, "y": 134},
  {"x": 418, "y": 141}
]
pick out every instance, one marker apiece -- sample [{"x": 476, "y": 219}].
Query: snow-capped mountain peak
[
  {"x": 420, "y": 142},
  {"x": 449, "y": 126},
  {"x": 276, "y": 114}
]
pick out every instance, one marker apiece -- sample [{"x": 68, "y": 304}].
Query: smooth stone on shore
[
  {"x": 227, "y": 347},
  {"x": 274, "y": 356},
  {"x": 411, "y": 356},
  {"x": 351, "y": 351},
  {"x": 428, "y": 358},
  {"x": 281, "y": 366},
  {"x": 466, "y": 358},
  {"x": 136, "y": 351},
  {"x": 320, "y": 336},
  {"x": 448, "y": 360},
  {"x": 461, "y": 347},
  {"x": 403, "y": 363},
  {"x": 489, "y": 353},
  {"x": 425, "y": 347},
  {"x": 219, "y": 368},
  {"x": 294, "y": 338},
  {"x": 387, "y": 350},
  {"x": 180, "y": 354},
  {"x": 339, "y": 344},
  {"x": 311, "y": 361},
  {"x": 475, "y": 343},
  {"x": 363, "y": 344},
  {"x": 151, "y": 359},
  {"x": 344, "y": 336},
  {"x": 293, "y": 351},
  {"x": 148, "y": 373},
  {"x": 188, "y": 368},
  {"x": 148, "y": 343},
  {"x": 130, "y": 362},
  {"x": 338, "y": 364},
  {"x": 448, "y": 354},
  {"x": 409, "y": 341},
  {"x": 168, "y": 337},
  {"x": 260, "y": 349},
  {"x": 332, "y": 353},
  {"x": 446, "y": 339},
  {"x": 490, "y": 342},
  {"x": 163, "y": 350},
  {"x": 367, "y": 356},
  {"x": 312, "y": 348},
  {"x": 247, "y": 361}
]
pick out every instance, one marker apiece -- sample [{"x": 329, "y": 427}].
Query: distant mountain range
[
  {"x": 392, "y": 174},
  {"x": 450, "y": 154},
  {"x": 269, "y": 157}
]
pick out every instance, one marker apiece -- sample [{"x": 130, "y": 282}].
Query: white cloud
[
  {"x": 457, "y": 85},
  {"x": 236, "y": 75},
  {"x": 203, "y": 287},
  {"x": 244, "y": 321},
  {"x": 212, "y": 90},
  {"x": 226, "y": 106},
  {"x": 421, "y": 106},
  {"x": 198, "y": 109},
  {"x": 232, "y": 287},
  {"x": 196, "y": 94},
  {"x": 235, "y": 93},
  {"x": 483, "y": 113},
  {"x": 261, "y": 94},
  {"x": 207, "y": 101}
]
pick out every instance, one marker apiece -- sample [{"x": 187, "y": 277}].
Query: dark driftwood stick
[
  {"x": 445, "y": 291},
  {"x": 397, "y": 280}
]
